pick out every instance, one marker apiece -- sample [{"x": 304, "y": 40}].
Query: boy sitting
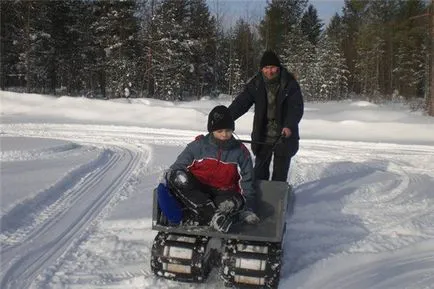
[{"x": 212, "y": 178}]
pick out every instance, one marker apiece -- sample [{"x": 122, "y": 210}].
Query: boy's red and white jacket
[{"x": 223, "y": 165}]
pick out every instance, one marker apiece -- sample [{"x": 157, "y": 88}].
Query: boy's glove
[
  {"x": 230, "y": 205},
  {"x": 249, "y": 217}
]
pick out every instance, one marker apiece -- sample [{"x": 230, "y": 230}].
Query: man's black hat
[
  {"x": 269, "y": 58},
  {"x": 220, "y": 118}
]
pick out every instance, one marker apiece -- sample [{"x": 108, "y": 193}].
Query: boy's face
[{"x": 222, "y": 134}]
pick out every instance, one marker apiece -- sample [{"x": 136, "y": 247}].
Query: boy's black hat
[
  {"x": 269, "y": 58},
  {"x": 220, "y": 118}
]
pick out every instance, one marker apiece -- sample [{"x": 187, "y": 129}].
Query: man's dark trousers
[{"x": 281, "y": 162}]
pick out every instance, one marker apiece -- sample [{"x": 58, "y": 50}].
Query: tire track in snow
[
  {"x": 25, "y": 217},
  {"x": 24, "y": 262},
  {"x": 398, "y": 210},
  {"x": 358, "y": 198},
  {"x": 37, "y": 251},
  {"x": 334, "y": 210},
  {"x": 52, "y": 152},
  {"x": 397, "y": 269}
]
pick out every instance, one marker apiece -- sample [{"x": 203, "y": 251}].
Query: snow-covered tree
[
  {"x": 12, "y": 39},
  {"x": 332, "y": 76},
  {"x": 299, "y": 58},
  {"x": 203, "y": 50},
  {"x": 115, "y": 28},
  {"x": 243, "y": 47},
  {"x": 280, "y": 17},
  {"x": 183, "y": 54},
  {"x": 37, "y": 46},
  {"x": 222, "y": 58},
  {"x": 310, "y": 25},
  {"x": 233, "y": 76}
]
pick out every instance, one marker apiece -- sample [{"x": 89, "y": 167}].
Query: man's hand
[{"x": 286, "y": 132}]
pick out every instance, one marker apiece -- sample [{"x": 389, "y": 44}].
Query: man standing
[{"x": 278, "y": 110}]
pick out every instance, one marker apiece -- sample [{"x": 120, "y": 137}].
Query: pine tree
[
  {"x": 233, "y": 76},
  {"x": 203, "y": 48},
  {"x": 410, "y": 49},
  {"x": 36, "y": 45},
  {"x": 12, "y": 24},
  {"x": 243, "y": 46},
  {"x": 280, "y": 17},
  {"x": 310, "y": 25},
  {"x": 370, "y": 50},
  {"x": 333, "y": 68},
  {"x": 77, "y": 56},
  {"x": 335, "y": 29},
  {"x": 332, "y": 73},
  {"x": 378, "y": 29},
  {"x": 352, "y": 19},
  {"x": 172, "y": 49},
  {"x": 222, "y": 58},
  {"x": 98, "y": 41},
  {"x": 116, "y": 31},
  {"x": 299, "y": 57}
]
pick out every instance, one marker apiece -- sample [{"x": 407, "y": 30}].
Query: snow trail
[
  {"x": 365, "y": 205},
  {"x": 82, "y": 196}
]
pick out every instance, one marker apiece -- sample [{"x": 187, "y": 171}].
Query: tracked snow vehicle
[{"x": 248, "y": 256}]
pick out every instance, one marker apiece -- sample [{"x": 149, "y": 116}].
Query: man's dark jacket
[{"x": 289, "y": 106}]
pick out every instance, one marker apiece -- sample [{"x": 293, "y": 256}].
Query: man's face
[{"x": 270, "y": 71}]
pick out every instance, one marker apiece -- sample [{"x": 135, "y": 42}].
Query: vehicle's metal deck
[{"x": 274, "y": 201}]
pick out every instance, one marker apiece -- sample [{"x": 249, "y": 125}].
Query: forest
[{"x": 180, "y": 50}]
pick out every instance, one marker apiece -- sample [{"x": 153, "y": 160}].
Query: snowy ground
[{"x": 77, "y": 177}]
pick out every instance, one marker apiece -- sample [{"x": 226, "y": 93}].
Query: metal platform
[{"x": 275, "y": 199}]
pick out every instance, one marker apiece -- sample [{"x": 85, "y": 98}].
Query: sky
[
  {"x": 253, "y": 10},
  {"x": 77, "y": 177}
]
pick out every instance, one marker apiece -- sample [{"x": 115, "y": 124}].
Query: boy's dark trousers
[{"x": 200, "y": 199}]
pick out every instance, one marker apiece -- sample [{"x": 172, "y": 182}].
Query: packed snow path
[
  {"x": 80, "y": 199},
  {"x": 360, "y": 206}
]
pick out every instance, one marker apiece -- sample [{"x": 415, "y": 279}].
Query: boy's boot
[{"x": 221, "y": 221}]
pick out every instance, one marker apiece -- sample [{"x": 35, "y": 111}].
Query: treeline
[{"x": 176, "y": 49}]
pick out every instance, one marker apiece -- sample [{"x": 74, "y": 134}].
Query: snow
[{"x": 77, "y": 177}]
